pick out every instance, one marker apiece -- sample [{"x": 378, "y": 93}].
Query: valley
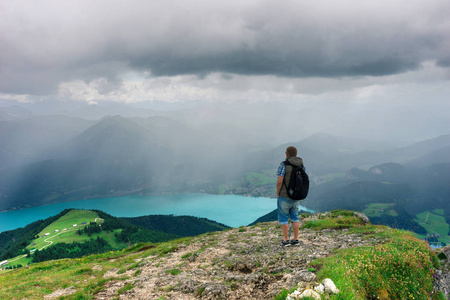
[{"x": 170, "y": 153}]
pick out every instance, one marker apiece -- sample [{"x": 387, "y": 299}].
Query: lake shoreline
[{"x": 231, "y": 210}]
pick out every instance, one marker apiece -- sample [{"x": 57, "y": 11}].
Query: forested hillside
[
  {"x": 181, "y": 226},
  {"x": 104, "y": 233}
]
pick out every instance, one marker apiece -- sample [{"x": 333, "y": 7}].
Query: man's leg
[
  {"x": 295, "y": 228},
  {"x": 283, "y": 217},
  {"x": 285, "y": 230}
]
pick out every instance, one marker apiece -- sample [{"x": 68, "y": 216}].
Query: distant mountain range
[
  {"x": 53, "y": 158},
  {"x": 49, "y": 159}
]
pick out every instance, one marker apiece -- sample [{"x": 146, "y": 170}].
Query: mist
[{"x": 107, "y": 98}]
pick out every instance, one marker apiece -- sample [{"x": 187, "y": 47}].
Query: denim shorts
[{"x": 287, "y": 208}]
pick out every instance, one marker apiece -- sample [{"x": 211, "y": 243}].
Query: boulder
[{"x": 329, "y": 286}]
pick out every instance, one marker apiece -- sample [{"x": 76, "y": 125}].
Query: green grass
[
  {"x": 261, "y": 178},
  {"x": 69, "y": 237},
  {"x": 380, "y": 209},
  {"x": 65, "y": 222},
  {"x": 439, "y": 212},
  {"x": 174, "y": 271},
  {"x": 66, "y": 236},
  {"x": 44, "y": 278},
  {"x": 337, "y": 219},
  {"x": 434, "y": 224},
  {"x": 402, "y": 268}
]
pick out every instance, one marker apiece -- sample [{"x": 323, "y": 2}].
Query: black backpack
[{"x": 298, "y": 184}]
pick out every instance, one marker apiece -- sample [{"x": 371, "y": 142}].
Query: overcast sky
[{"x": 387, "y": 53}]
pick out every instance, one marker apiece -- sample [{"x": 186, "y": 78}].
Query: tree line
[{"x": 73, "y": 250}]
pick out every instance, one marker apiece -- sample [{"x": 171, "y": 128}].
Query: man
[{"x": 288, "y": 208}]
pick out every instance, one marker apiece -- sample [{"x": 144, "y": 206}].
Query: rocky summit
[{"x": 241, "y": 263}]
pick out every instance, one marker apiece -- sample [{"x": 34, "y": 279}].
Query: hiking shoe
[
  {"x": 285, "y": 243},
  {"x": 295, "y": 243}
]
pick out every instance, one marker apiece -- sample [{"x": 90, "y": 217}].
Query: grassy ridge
[
  {"x": 117, "y": 232},
  {"x": 67, "y": 233},
  {"x": 380, "y": 209},
  {"x": 86, "y": 274},
  {"x": 400, "y": 268}
]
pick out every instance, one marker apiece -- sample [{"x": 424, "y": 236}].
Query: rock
[
  {"x": 363, "y": 217},
  {"x": 311, "y": 294},
  {"x": 320, "y": 289},
  {"x": 307, "y": 276},
  {"x": 442, "y": 275},
  {"x": 215, "y": 291},
  {"x": 247, "y": 264},
  {"x": 97, "y": 268},
  {"x": 329, "y": 286},
  {"x": 294, "y": 295},
  {"x": 60, "y": 293},
  {"x": 242, "y": 267},
  {"x": 188, "y": 286}
]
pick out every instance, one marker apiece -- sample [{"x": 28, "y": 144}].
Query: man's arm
[{"x": 279, "y": 185}]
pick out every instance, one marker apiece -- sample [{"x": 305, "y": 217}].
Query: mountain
[
  {"x": 114, "y": 156},
  {"x": 434, "y": 157},
  {"x": 33, "y": 139},
  {"x": 419, "y": 150},
  {"x": 118, "y": 233},
  {"x": 49, "y": 159},
  {"x": 392, "y": 194},
  {"x": 96, "y": 112},
  {"x": 14, "y": 113},
  {"x": 247, "y": 263}
]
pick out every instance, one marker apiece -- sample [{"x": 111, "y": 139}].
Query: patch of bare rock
[
  {"x": 442, "y": 280},
  {"x": 241, "y": 263},
  {"x": 60, "y": 293}
]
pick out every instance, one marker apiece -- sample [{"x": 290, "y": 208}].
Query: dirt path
[
  {"x": 426, "y": 220},
  {"x": 47, "y": 240}
]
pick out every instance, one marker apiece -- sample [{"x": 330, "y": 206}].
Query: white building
[{"x": 3, "y": 263}]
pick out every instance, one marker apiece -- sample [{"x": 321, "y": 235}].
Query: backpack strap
[{"x": 286, "y": 163}]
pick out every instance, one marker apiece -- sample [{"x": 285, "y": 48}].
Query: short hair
[{"x": 291, "y": 151}]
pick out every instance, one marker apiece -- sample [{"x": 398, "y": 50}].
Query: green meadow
[
  {"x": 261, "y": 178},
  {"x": 69, "y": 235},
  {"x": 380, "y": 209},
  {"x": 434, "y": 222},
  {"x": 66, "y": 231}
]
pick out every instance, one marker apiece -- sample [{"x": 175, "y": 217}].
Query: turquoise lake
[{"x": 231, "y": 210}]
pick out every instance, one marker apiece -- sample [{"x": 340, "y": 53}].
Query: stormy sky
[{"x": 388, "y": 57}]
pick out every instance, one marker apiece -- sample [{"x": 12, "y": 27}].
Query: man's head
[{"x": 291, "y": 151}]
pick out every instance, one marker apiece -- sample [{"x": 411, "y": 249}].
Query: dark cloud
[{"x": 52, "y": 42}]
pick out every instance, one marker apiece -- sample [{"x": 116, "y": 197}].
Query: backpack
[{"x": 298, "y": 184}]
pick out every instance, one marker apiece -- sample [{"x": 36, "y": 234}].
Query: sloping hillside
[
  {"x": 244, "y": 263},
  {"x": 75, "y": 233}
]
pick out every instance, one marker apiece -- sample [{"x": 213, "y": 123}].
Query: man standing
[{"x": 288, "y": 208}]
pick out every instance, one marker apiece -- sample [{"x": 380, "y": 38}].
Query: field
[
  {"x": 380, "y": 209},
  {"x": 262, "y": 178},
  {"x": 65, "y": 236},
  {"x": 435, "y": 223},
  {"x": 66, "y": 231}
]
